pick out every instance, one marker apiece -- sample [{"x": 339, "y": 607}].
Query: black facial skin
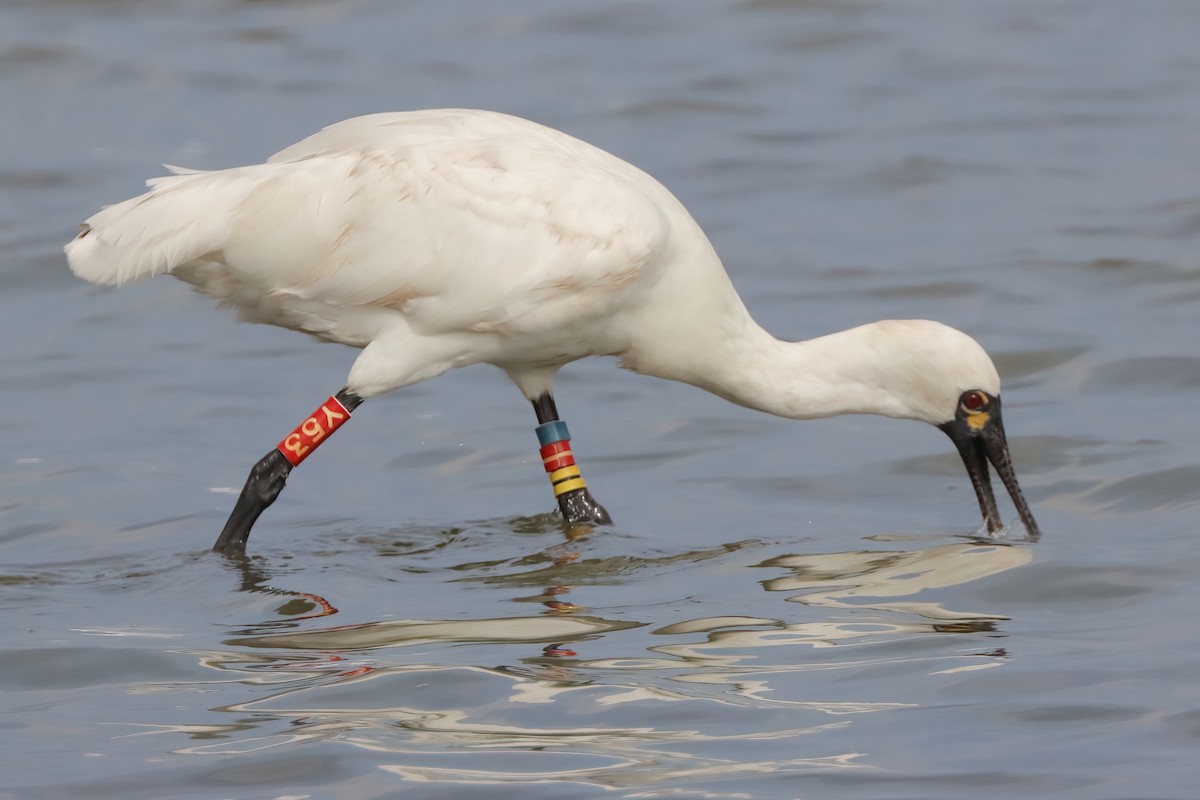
[{"x": 978, "y": 432}]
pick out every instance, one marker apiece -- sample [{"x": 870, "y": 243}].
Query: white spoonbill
[{"x": 442, "y": 238}]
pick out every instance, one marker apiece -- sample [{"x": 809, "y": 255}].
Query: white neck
[
  {"x": 906, "y": 369},
  {"x": 694, "y": 328},
  {"x": 823, "y": 377}
]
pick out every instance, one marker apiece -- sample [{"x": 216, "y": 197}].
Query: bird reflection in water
[{"x": 412, "y": 689}]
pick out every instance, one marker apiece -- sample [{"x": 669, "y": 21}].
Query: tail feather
[{"x": 183, "y": 217}]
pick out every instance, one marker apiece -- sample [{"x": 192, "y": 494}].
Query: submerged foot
[{"x": 578, "y": 505}]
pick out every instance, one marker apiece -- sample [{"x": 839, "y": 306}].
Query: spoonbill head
[
  {"x": 904, "y": 369},
  {"x": 442, "y": 238},
  {"x": 950, "y": 381}
]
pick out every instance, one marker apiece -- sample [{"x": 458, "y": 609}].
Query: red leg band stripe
[
  {"x": 559, "y": 461},
  {"x": 563, "y": 445},
  {"x": 557, "y": 455}
]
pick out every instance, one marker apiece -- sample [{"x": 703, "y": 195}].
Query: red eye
[{"x": 973, "y": 401}]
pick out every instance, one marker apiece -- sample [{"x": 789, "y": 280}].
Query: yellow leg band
[
  {"x": 564, "y": 473},
  {"x": 569, "y": 486}
]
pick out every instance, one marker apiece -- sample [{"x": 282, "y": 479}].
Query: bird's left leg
[
  {"x": 268, "y": 476},
  {"x": 574, "y": 500}
]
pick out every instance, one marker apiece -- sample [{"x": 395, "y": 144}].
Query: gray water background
[{"x": 782, "y": 609}]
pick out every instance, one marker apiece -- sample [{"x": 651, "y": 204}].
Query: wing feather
[{"x": 460, "y": 220}]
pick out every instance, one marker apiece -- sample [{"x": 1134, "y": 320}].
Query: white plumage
[{"x": 437, "y": 239}]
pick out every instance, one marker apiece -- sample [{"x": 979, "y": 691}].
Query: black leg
[
  {"x": 269, "y": 475},
  {"x": 574, "y": 500},
  {"x": 266, "y": 481}
]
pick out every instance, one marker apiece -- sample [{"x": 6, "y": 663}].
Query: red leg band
[
  {"x": 557, "y": 455},
  {"x": 297, "y": 445}
]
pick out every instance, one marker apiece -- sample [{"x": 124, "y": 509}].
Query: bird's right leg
[
  {"x": 268, "y": 476},
  {"x": 574, "y": 500}
]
